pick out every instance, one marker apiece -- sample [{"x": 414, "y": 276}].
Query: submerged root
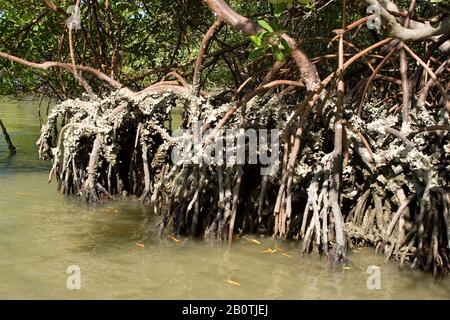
[
  {"x": 106, "y": 145},
  {"x": 394, "y": 193}
]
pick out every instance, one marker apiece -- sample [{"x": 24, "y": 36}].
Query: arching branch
[
  {"x": 417, "y": 31},
  {"x": 67, "y": 66},
  {"x": 308, "y": 71},
  {"x": 201, "y": 54},
  {"x": 53, "y": 7}
]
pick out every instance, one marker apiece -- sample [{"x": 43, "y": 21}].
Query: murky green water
[{"x": 42, "y": 233}]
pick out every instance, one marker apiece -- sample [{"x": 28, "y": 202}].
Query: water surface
[{"x": 115, "y": 245}]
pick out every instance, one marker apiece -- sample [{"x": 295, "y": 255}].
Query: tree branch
[
  {"x": 201, "y": 54},
  {"x": 67, "y": 66},
  {"x": 53, "y": 7},
  {"x": 308, "y": 72},
  {"x": 419, "y": 31}
]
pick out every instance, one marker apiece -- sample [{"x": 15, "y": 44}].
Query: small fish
[
  {"x": 140, "y": 245},
  {"x": 269, "y": 250},
  {"x": 175, "y": 239},
  {"x": 234, "y": 283},
  {"x": 347, "y": 268},
  {"x": 287, "y": 255},
  {"x": 252, "y": 240}
]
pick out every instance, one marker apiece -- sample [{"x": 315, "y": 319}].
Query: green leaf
[
  {"x": 280, "y": 7},
  {"x": 258, "y": 53},
  {"x": 278, "y": 54},
  {"x": 256, "y": 40},
  {"x": 276, "y": 26},
  {"x": 287, "y": 3},
  {"x": 265, "y": 25},
  {"x": 286, "y": 46},
  {"x": 264, "y": 35}
]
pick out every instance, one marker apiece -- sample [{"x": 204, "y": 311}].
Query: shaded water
[{"x": 116, "y": 247}]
